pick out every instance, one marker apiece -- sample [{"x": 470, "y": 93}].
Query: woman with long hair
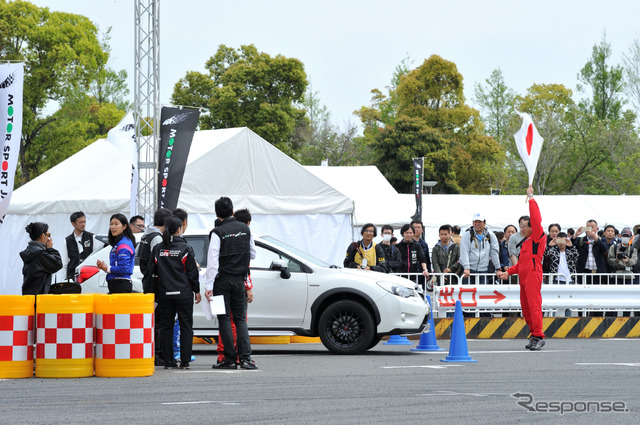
[
  {"x": 40, "y": 259},
  {"x": 121, "y": 257},
  {"x": 174, "y": 262},
  {"x": 412, "y": 255}
]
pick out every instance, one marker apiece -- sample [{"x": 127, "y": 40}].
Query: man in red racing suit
[{"x": 529, "y": 269}]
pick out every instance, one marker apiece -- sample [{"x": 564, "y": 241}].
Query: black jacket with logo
[
  {"x": 412, "y": 256},
  {"x": 177, "y": 271},
  {"x": 75, "y": 256},
  {"x": 40, "y": 263},
  {"x": 235, "y": 247}
]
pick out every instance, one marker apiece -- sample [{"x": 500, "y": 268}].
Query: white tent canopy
[
  {"x": 286, "y": 200},
  {"x": 377, "y": 202}
]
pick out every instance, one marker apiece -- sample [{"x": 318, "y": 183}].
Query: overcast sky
[{"x": 351, "y": 47}]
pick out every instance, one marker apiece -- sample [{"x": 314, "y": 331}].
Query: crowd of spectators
[{"x": 584, "y": 255}]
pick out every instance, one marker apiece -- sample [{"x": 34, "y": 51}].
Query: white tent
[
  {"x": 377, "y": 202},
  {"x": 286, "y": 200}
]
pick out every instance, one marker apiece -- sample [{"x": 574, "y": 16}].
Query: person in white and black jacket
[{"x": 174, "y": 262}]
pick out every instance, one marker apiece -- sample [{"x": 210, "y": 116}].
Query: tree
[
  {"x": 496, "y": 105},
  {"x": 396, "y": 145},
  {"x": 605, "y": 82},
  {"x": 62, "y": 56},
  {"x": 245, "y": 87},
  {"x": 433, "y": 92},
  {"x": 632, "y": 73},
  {"x": 321, "y": 140}
]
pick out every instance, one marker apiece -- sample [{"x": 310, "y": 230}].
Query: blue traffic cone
[
  {"x": 428, "y": 339},
  {"x": 398, "y": 340},
  {"x": 458, "y": 351}
]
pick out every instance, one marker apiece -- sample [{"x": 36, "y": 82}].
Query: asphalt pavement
[{"x": 570, "y": 380}]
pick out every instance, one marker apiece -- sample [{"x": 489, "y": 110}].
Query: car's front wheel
[{"x": 346, "y": 327}]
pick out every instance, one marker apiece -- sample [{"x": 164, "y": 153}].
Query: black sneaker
[
  {"x": 224, "y": 365},
  {"x": 538, "y": 343},
  {"x": 185, "y": 366},
  {"x": 528, "y": 346},
  {"x": 170, "y": 366},
  {"x": 248, "y": 364}
]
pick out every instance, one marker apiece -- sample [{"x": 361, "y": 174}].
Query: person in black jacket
[
  {"x": 174, "y": 262},
  {"x": 391, "y": 253},
  {"x": 40, "y": 259},
  {"x": 413, "y": 259},
  {"x": 365, "y": 254}
]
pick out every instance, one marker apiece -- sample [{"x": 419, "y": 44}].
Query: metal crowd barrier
[{"x": 484, "y": 294}]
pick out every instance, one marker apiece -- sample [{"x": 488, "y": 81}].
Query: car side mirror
[{"x": 282, "y": 266}]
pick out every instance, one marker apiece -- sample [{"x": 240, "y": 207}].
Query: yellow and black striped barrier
[{"x": 553, "y": 327}]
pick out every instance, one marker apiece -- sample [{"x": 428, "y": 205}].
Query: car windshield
[{"x": 308, "y": 257}]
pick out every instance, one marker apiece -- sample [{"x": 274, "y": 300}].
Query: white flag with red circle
[{"x": 529, "y": 143}]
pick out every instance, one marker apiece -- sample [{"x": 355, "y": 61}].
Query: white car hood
[{"x": 377, "y": 276}]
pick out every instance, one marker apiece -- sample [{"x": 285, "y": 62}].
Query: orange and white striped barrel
[
  {"x": 124, "y": 335},
  {"x": 64, "y": 335},
  {"x": 16, "y": 336}
]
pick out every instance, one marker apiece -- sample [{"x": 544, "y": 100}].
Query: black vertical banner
[
  {"x": 176, "y": 133},
  {"x": 418, "y": 175}
]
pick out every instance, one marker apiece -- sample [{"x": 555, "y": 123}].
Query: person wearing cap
[
  {"x": 478, "y": 247},
  {"x": 529, "y": 270},
  {"x": 623, "y": 257}
]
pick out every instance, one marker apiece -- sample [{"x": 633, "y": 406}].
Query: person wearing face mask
[
  {"x": 365, "y": 254},
  {"x": 623, "y": 258},
  {"x": 391, "y": 253},
  {"x": 529, "y": 269}
]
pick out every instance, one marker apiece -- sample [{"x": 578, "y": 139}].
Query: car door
[{"x": 277, "y": 301}]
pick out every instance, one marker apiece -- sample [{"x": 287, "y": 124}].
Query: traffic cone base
[
  {"x": 428, "y": 339},
  {"x": 398, "y": 340}
]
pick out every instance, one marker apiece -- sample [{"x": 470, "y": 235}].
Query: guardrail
[{"x": 484, "y": 293}]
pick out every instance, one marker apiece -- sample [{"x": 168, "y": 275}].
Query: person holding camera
[
  {"x": 623, "y": 258},
  {"x": 40, "y": 260},
  {"x": 561, "y": 256}
]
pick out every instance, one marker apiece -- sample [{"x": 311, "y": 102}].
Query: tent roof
[
  {"x": 233, "y": 162},
  {"x": 94, "y": 180},
  {"x": 240, "y": 164}
]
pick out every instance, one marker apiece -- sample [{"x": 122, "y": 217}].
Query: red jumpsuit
[{"x": 529, "y": 268}]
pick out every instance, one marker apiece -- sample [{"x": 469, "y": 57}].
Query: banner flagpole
[{"x": 11, "y": 96}]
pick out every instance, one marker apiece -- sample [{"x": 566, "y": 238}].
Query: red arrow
[{"x": 497, "y": 297}]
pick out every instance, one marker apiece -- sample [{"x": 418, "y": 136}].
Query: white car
[{"x": 297, "y": 294}]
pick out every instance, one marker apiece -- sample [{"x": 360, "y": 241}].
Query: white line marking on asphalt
[
  {"x": 453, "y": 393},
  {"x": 222, "y": 371},
  {"x": 608, "y": 364},
  {"x": 521, "y": 351},
  {"x": 425, "y": 366},
  {"x": 230, "y": 403}
]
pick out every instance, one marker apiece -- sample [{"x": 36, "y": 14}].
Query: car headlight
[{"x": 399, "y": 290}]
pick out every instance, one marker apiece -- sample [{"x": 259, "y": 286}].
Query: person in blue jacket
[{"x": 121, "y": 257}]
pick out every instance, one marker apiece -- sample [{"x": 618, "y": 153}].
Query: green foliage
[
  {"x": 432, "y": 120},
  {"x": 63, "y": 57},
  {"x": 319, "y": 139},
  {"x": 396, "y": 146},
  {"x": 605, "y": 82},
  {"x": 496, "y": 102},
  {"x": 245, "y": 87}
]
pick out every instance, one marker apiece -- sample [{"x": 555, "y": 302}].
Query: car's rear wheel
[{"x": 346, "y": 327}]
